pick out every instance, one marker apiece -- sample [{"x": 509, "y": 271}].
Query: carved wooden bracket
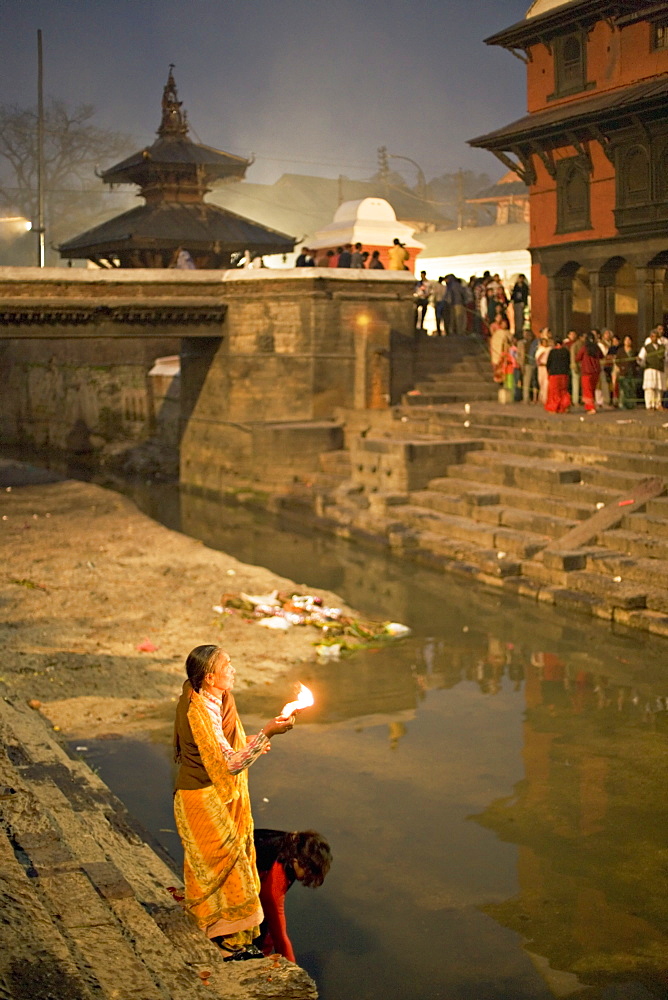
[{"x": 546, "y": 157}]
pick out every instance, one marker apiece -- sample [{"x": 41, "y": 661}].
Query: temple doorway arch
[
  {"x": 659, "y": 266},
  {"x": 617, "y": 307},
  {"x": 581, "y": 301},
  {"x": 570, "y": 299}
]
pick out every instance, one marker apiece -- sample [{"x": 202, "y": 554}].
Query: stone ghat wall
[
  {"x": 267, "y": 358},
  {"x": 79, "y": 395},
  {"x": 261, "y": 403}
]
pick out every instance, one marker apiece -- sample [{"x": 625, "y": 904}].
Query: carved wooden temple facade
[
  {"x": 174, "y": 175},
  {"x": 593, "y": 150}
]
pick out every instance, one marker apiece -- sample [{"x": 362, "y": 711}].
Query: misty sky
[{"x": 308, "y": 86}]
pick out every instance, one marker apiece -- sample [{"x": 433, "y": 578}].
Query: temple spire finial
[{"x": 174, "y": 121}]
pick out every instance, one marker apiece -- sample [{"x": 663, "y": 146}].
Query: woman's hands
[{"x": 277, "y": 726}]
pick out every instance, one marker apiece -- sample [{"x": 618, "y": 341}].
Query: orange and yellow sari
[{"x": 216, "y": 828}]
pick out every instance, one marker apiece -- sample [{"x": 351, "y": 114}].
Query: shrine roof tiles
[
  {"x": 178, "y": 152},
  {"x": 173, "y": 224}
]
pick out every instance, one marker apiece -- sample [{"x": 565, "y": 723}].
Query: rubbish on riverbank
[
  {"x": 147, "y": 647},
  {"x": 265, "y": 600},
  {"x": 396, "y": 629},
  {"x": 340, "y": 632},
  {"x": 280, "y": 624},
  {"x": 332, "y": 652}
]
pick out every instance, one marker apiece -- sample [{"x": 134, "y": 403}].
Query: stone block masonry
[
  {"x": 297, "y": 347},
  {"x": 258, "y": 347}
]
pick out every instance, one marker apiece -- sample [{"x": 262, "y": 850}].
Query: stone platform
[{"x": 86, "y": 911}]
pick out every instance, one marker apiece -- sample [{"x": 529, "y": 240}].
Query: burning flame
[{"x": 304, "y": 700}]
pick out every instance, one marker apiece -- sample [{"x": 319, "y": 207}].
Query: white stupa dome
[
  {"x": 543, "y": 6},
  {"x": 371, "y": 221}
]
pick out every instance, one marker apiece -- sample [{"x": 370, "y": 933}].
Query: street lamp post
[
  {"x": 40, "y": 154},
  {"x": 422, "y": 180}
]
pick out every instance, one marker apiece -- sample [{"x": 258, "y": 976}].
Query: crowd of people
[
  {"x": 355, "y": 256},
  {"x": 598, "y": 368},
  {"x": 472, "y": 306}
]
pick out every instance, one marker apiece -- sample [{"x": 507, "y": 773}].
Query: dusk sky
[{"x": 308, "y": 87}]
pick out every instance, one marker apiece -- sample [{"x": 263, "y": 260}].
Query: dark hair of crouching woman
[{"x": 283, "y": 858}]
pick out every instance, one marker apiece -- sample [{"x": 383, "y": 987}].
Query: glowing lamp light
[{"x": 304, "y": 700}]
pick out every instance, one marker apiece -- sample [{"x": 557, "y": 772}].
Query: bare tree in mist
[{"x": 74, "y": 146}]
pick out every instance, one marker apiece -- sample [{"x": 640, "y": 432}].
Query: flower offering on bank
[{"x": 339, "y": 632}]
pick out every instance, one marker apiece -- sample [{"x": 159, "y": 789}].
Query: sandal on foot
[{"x": 239, "y": 954}]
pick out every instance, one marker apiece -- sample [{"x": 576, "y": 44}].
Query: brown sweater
[{"x": 191, "y": 773}]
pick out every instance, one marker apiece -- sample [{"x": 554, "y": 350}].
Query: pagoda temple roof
[
  {"x": 173, "y": 224},
  {"x": 173, "y": 175},
  {"x": 173, "y": 148}
]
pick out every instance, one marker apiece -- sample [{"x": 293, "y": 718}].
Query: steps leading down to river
[
  {"x": 451, "y": 369},
  {"x": 530, "y": 479},
  {"x": 86, "y": 913}
]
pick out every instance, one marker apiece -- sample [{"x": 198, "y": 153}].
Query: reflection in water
[{"x": 493, "y": 787}]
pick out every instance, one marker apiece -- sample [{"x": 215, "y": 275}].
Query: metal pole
[
  {"x": 422, "y": 180},
  {"x": 40, "y": 154}
]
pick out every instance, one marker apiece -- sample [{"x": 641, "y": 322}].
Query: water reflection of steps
[{"x": 526, "y": 483}]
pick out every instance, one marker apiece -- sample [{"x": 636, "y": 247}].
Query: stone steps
[
  {"x": 86, "y": 908},
  {"x": 513, "y": 470},
  {"x": 449, "y": 370},
  {"x": 521, "y": 470},
  {"x": 419, "y": 515},
  {"x": 455, "y": 395},
  {"x": 642, "y": 464},
  {"x": 647, "y": 524},
  {"x": 516, "y": 481},
  {"x": 638, "y": 544},
  {"x": 552, "y": 435},
  {"x": 643, "y": 570},
  {"x": 434, "y": 381},
  {"x": 476, "y": 498}
]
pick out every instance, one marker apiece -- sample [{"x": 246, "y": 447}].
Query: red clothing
[
  {"x": 590, "y": 369},
  {"x": 558, "y": 396},
  {"x": 273, "y": 886},
  {"x": 589, "y": 365},
  {"x": 589, "y": 384}
]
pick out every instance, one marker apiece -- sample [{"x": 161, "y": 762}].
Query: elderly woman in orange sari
[{"x": 212, "y": 806}]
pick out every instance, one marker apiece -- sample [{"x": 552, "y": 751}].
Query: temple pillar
[
  {"x": 645, "y": 282},
  {"x": 610, "y": 310},
  {"x": 560, "y": 298},
  {"x": 599, "y": 301},
  {"x": 657, "y": 295}
]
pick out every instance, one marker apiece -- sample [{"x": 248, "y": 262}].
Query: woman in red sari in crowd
[
  {"x": 589, "y": 358},
  {"x": 558, "y": 371}
]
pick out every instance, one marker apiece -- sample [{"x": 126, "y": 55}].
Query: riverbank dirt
[{"x": 87, "y": 580}]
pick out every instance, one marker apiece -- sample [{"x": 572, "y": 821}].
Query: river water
[{"x": 493, "y": 786}]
